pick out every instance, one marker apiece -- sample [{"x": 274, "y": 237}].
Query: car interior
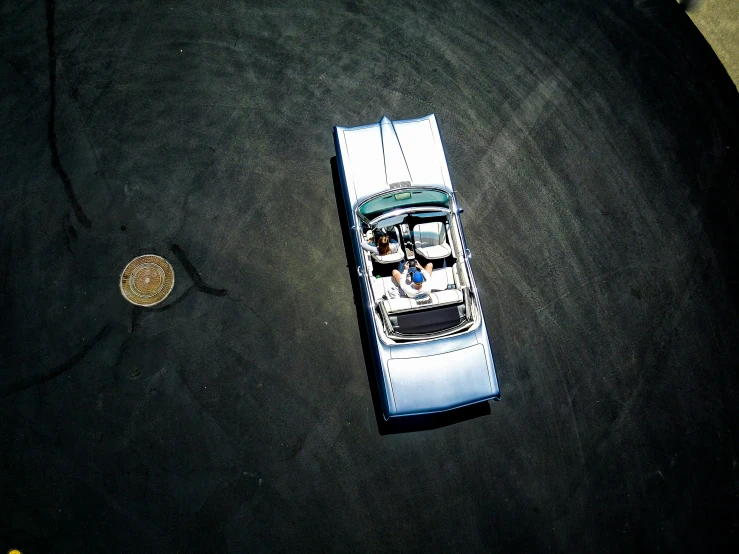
[{"x": 425, "y": 237}]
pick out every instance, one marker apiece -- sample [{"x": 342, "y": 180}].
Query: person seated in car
[
  {"x": 420, "y": 279},
  {"x": 383, "y": 246}
]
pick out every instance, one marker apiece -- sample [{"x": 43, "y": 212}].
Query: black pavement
[{"x": 594, "y": 147}]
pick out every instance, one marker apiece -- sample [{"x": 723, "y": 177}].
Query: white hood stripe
[{"x": 396, "y": 165}]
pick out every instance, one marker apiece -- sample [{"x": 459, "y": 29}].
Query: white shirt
[{"x": 411, "y": 291}]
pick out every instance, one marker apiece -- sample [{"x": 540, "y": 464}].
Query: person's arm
[
  {"x": 409, "y": 291},
  {"x": 401, "y": 283},
  {"x": 369, "y": 248},
  {"x": 426, "y": 274}
]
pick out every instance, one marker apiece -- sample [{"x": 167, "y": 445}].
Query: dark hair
[{"x": 383, "y": 246}]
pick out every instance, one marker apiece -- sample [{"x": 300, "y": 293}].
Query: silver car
[{"x": 431, "y": 353}]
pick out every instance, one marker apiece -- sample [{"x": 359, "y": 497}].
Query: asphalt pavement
[{"x": 594, "y": 147}]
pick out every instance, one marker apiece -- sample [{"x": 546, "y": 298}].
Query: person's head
[
  {"x": 417, "y": 280},
  {"x": 383, "y": 244}
]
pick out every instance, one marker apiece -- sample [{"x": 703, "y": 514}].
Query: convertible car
[{"x": 431, "y": 352}]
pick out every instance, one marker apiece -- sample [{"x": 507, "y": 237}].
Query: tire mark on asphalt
[
  {"x": 55, "y": 160},
  {"x": 59, "y": 370},
  {"x": 601, "y": 447},
  {"x": 179, "y": 299},
  {"x": 194, "y": 274},
  {"x": 70, "y": 235},
  {"x": 255, "y": 313},
  {"x": 149, "y": 393}
]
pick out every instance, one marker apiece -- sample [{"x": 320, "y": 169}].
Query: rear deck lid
[{"x": 440, "y": 382}]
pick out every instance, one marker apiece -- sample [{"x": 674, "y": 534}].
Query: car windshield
[{"x": 403, "y": 199}]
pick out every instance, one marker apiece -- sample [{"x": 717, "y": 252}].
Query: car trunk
[{"x": 440, "y": 382}]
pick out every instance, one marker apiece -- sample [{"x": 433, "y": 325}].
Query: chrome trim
[
  {"x": 424, "y": 307},
  {"x": 400, "y": 190},
  {"x": 468, "y": 312},
  {"x": 458, "y": 329},
  {"x": 403, "y": 211},
  {"x": 385, "y": 318}
]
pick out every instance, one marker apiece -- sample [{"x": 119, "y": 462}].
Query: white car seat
[
  {"x": 391, "y": 258},
  {"x": 441, "y": 280},
  {"x": 430, "y": 240},
  {"x": 439, "y": 298}
]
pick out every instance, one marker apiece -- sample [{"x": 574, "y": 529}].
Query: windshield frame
[
  {"x": 410, "y": 207},
  {"x": 407, "y": 211}
]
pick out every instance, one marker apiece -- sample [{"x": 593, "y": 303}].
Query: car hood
[
  {"x": 391, "y": 154},
  {"x": 440, "y": 382}
]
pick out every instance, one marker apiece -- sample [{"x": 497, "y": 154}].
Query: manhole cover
[{"x": 147, "y": 280}]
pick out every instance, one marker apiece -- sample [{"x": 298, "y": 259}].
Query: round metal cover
[{"x": 147, "y": 280}]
